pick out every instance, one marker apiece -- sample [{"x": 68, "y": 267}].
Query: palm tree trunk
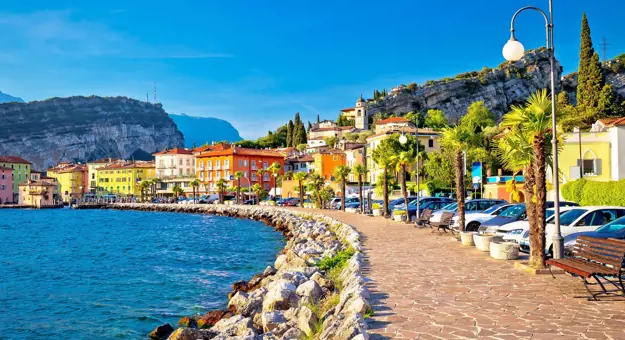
[
  {"x": 404, "y": 191},
  {"x": 301, "y": 194},
  {"x": 386, "y": 211},
  {"x": 343, "y": 194},
  {"x": 360, "y": 194},
  {"x": 537, "y": 238},
  {"x": 238, "y": 191},
  {"x": 460, "y": 188}
]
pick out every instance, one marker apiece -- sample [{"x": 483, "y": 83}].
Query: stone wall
[{"x": 293, "y": 299}]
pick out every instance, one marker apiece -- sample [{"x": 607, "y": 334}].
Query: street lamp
[
  {"x": 403, "y": 140},
  {"x": 513, "y": 51}
]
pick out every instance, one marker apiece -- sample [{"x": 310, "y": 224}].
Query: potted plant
[
  {"x": 377, "y": 209},
  {"x": 501, "y": 250},
  {"x": 466, "y": 237},
  {"x": 399, "y": 215},
  {"x": 482, "y": 241}
]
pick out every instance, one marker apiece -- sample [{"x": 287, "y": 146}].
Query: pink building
[{"x": 6, "y": 185}]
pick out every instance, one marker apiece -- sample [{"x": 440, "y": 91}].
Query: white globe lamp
[
  {"x": 403, "y": 139},
  {"x": 513, "y": 50}
]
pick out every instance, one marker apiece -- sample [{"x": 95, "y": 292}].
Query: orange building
[
  {"x": 212, "y": 165},
  {"x": 326, "y": 161}
]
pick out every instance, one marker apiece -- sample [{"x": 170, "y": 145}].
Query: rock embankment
[{"x": 314, "y": 290}]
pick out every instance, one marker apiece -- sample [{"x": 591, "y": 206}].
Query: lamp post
[
  {"x": 513, "y": 50},
  {"x": 403, "y": 140}
]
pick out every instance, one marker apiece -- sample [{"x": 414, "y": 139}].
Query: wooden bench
[
  {"x": 444, "y": 224},
  {"x": 424, "y": 219},
  {"x": 595, "y": 258}
]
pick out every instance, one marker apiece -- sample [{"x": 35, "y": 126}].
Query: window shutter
[
  {"x": 579, "y": 162},
  {"x": 597, "y": 167},
  {"x": 574, "y": 173}
]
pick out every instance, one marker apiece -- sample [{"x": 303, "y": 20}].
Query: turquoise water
[{"x": 102, "y": 274}]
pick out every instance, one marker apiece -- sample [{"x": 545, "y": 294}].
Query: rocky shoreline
[{"x": 315, "y": 290}]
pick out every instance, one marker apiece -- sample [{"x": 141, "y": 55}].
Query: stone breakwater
[{"x": 296, "y": 297}]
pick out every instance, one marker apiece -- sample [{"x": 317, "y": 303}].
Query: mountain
[
  {"x": 85, "y": 128},
  {"x": 6, "y": 98},
  {"x": 200, "y": 130}
]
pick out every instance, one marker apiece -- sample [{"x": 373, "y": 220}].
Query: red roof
[
  {"x": 392, "y": 120},
  {"x": 410, "y": 130},
  {"x": 175, "y": 151},
  {"x": 613, "y": 121},
  {"x": 128, "y": 165},
  {"x": 242, "y": 151},
  {"x": 13, "y": 159},
  {"x": 348, "y": 109}
]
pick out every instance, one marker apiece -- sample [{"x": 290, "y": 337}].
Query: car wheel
[
  {"x": 413, "y": 218},
  {"x": 473, "y": 226}
]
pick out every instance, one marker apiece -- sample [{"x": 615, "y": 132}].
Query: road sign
[
  {"x": 476, "y": 186},
  {"x": 232, "y": 177}
]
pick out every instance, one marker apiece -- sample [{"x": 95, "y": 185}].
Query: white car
[
  {"x": 577, "y": 219},
  {"x": 473, "y": 221},
  {"x": 470, "y": 207},
  {"x": 514, "y": 232}
]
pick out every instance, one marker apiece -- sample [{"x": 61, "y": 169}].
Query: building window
[
  {"x": 201, "y": 164},
  {"x": 218, "y": 175},
  {"x": 254, "y": 176},
  {"x": 430, "y": 143},
  {"x": 265, "y": 165},
  {"x": 180, "y": 162},
  {"x": 227, "y": 164},
  {"x": 188, "y": 162},
  {"x": 217, "y": 164},
  {"x": 209, "y": 165},
  {"x": 227, "y": 174},
  {"x": 253, "y": 165}
]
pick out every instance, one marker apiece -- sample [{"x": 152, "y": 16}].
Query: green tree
[
  {"x": 274, "y": 169},
  {"x": 439, "y": 170},
  {"x": 154, "y": 181},
  {"x": 315, "y": 185},
  {"x": 301, "y": 147},
  {"x": 144, "y": 186},
  {"x": 458, "y": 140},
  {"x": 289, "y": 134},
  {"x": 331, "y": 141},
  {"x": 309, "y": 127},
  {"x": 534, "y": 119},
  {"x": 238, "y": 175},
  {"x": 403, "y": 161},
  {"x": 416, "y": 117},
  {"x": 195, "y": 184},
  {"x": 300, "y": 137},
  {"x": 261, "y": 174},
  {"x": 177, "y": 191},
  {"x": 258, "y": 191},
  {"x": 412, "y": 87},
  {"x": 300, "y": 177},
  {"x": 435, "y": 119},
  {"x": 478, "y": 116},
  {"x": 221, "y": 185},
  {"x": 360, "y": 172},
  {"x": 340, "y": 173}
]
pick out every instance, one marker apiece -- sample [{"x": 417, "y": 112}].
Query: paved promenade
[{"x": 426, "y": 286}]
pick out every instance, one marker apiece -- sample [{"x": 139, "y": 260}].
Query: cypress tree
[
  {"x": 289, "y": 134},
  {"x": 309, "y": 126},
  {"x": 590, "y": 76},
  {"x": 318, "y": 120},
  {"x": 300, "y": 134}
]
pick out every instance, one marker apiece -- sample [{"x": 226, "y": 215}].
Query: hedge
[{"x": 595, "y": 193}]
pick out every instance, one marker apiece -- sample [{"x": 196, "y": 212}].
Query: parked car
[
  {"x": 512, "y": 214},
  {"x": 400, "y": 203},
  {"x": 470, "y": 206},
  {"x": 289, "y": 202},
  {"x": 513, "y": 232},
  {"x": 614, "y": 229},
  {"x": 473, "y": 221},
  {"x": 348, "y": 200},
  {"x": 432, "y": 203},
  {"x": 334, "y": 202},
  {"x": 579, "y": 219}
]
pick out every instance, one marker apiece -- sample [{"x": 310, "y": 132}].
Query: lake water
[{"x": 102, "y": 274}]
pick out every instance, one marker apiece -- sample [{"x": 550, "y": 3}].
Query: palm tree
[
  {"x": 360, "y": 172},
  {"x": 221, "y": 185},
  {"x": 300, "y": 177},
  {"x": 274, "y": 169},
  {"x": 261, "y": 173},
  {"x": 341, "y": 172},
  {"x": 403, "y": 161},
  {"x": 258, "y": 191},
  {"x": 288, "y": 175},
  {"x": 315, "y": 184},
  {"x": 144, "y": 186},
  {"x": 178, "y": 191},
  {"x": 534, "y": 119},
  {"x": 238, "y": 175},
  {"x": 458, "y": 140},
  {"x": 383, "y": 157},
  {"x": 154, "y": 181},
  {"x": 195, "y": 183}
]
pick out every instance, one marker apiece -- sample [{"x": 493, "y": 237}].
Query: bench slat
[
  {"x": 597, "y": 249},
  {"x": 606, "y": 246},
  {"x": 608, "y": 242},
  {"x": 591, "y": 254}
]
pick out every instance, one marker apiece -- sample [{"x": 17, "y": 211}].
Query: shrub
[
  {"x": 572, "y": 191},
  {"x": 376, "y": 206},
  {"x": 399, "y": 212},
  {"x": 604, "y": 193},
  {"x": 338, "y": 260}
]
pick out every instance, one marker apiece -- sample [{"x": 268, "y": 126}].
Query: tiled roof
[
  {"x": 332, "y": 152},
  {"x": 37, "y": 184},
  {"x": 422, "y": 132},
  {"x": 347, "y": 128},
  {"x": 128, "y": 165},
  {"x": 105, "y": 160},
  {"x": 348, "y": 109},
  {"x": 392, "y": 120},
  {"x": 334, "y": 128},
  {"x": 175, "y": 151},
  {"x": 354, "y": 146},
  {"x": 613, "y": 121},
  {"x": 242, "y": 151},
  {"x": 306, "y": 158},
  {"x": 13, "y": 159}
]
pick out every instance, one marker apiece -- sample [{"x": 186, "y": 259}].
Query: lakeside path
[{"x": 426, "y": 286}]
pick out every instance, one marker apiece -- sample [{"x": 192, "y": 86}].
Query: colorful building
[
  {"x": 6, "y": 185},
  {"x": 72, "y": 179},
  {"x": 354, "y": 155},
  {"x": 21, "y": 171},
  {"x": 38, "y": 194},
  {"x": 123, "y": 178},
  {"x": 178, "y": 162},
  {"x": 304, "y": 163},
  {"x": 327, "y": 161},
  {"x": 92, "y": 172},
  {"x": 358, "y": 114},
  {"x": 213, "y": 165}
]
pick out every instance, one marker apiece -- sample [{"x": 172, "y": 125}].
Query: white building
[{"x": 178, "y": 162}]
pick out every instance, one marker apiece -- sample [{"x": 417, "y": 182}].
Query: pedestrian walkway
[{"x": 426, "y": 286}]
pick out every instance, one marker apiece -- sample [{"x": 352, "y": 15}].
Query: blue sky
[{"x": 256, "y": 63}]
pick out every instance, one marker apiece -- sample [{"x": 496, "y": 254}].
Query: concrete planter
[
  {"x": 399, "y": 218},
  {"x": 377, "y": 212},
  {"x": 504, "y": 250},
  {"x": 482, "y": 242},
  {"x": 466, "y": 237},
  {"x": 351, "y": 210}
]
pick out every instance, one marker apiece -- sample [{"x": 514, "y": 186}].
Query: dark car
[
  {"x": 400, "y": 201},
  {"x": 432, "y": 203},
  {"x": 614, "y": 229},
  {"x": 290, "y": 202}
]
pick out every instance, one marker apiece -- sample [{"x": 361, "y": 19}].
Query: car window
[
  {"x": 514, "y": 211},
  {"x": 451, "y": 206},
  {"x": 570, "y": 216},
  {"x": 493, "y": 210},
  {"x": 612, "y": 227},
  {"x": 483, "y": 205},
  {"x": 471, "y": 206}
]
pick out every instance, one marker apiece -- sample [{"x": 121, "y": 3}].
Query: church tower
[{"x": 361, "y": 117}]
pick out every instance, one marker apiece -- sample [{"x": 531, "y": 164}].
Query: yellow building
[
  {"x": 70, "y": 178},
  {"x": 92, "y": 181},
  {"x": 123, "y": 178},
  {"x": 38, "y": 194}
]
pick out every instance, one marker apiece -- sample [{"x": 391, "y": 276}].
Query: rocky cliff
[
  {"x": 84, "y": 128},
  {"x": 7, "y": 98},
  {"x": 509, "y": 83},
  {"x": 614, "y": 71}
]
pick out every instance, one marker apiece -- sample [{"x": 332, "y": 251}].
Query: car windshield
[
  {"x": 570, "y": 216},
  {"x": 492, "y": 209},
  {"x": 614, "y": 226},
  {"x": 514, "y": 211},
  {"x": 451, "y": 206}
]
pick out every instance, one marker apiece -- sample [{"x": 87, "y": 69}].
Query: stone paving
[{"x": 426, "y": 286}]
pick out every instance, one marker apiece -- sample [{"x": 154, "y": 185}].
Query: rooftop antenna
[
  {"x": 147, "y": 97},
  {"x": 604, "y": 48},
  {"x": 155, "y": 92}
]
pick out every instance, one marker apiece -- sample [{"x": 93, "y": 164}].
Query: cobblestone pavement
[{"x": 426, "y": 286}]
